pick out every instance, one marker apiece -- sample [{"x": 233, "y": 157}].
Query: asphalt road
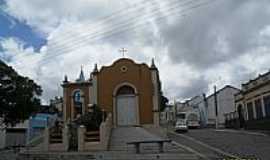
[
  {"x": 206, "y": 152},
  {"x": 241, "y": 144}
]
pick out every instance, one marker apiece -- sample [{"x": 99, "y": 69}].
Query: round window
[{"x": 124, "y": 69}]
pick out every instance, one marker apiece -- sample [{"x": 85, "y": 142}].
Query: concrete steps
[
  {"x": 104, "y": 156},
  {"x": 165, "y": 156},
  {"x": 92, "y": 136},
  {"x": 120, "y": 137}
]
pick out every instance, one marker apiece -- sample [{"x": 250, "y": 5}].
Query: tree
[
  {"x": 163, "y": 102},
  {"x": 19, "y": 96},
  {"x": 91, "y": 120}
]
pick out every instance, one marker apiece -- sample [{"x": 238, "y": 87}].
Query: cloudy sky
[{"x": 195, "y": 43}]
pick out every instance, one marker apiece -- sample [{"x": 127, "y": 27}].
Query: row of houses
[{"x": 229, "y": 106}]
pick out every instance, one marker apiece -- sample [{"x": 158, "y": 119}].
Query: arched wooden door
[{"x": 126, "y": 106}]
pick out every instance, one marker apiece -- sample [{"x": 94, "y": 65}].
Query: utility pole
[
  {"x": 216, "y": 105},
  {"x": 205, "y": 110}
]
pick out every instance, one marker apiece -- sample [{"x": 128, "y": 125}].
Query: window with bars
[
  {"x": 250, "y": 111},
  {"x": 258, "y": 106},
  {"x": 266, "y": 101}
]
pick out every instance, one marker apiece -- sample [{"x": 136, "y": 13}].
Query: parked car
[
  {"x": 181, "y": 126},
  {"x": 192, "y": 118}
]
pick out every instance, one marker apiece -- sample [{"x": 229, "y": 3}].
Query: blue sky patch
[{"x": 10, "y": 27}]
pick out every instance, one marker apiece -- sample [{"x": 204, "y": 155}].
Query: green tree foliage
[
  {"x": 19, "y": 96},
  {"x": 163, "y": 103}
]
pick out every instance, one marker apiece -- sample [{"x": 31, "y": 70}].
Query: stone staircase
[
  {"x": 118, "y": 149},
  {"x": 55, "y": 135},
  {"x": 92, "y": 136},
  {"x": 121, "y": 135}
]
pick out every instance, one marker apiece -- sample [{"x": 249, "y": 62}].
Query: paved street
[{"x": 238, "y": 143}]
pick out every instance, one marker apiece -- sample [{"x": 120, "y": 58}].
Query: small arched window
[
  {"x": 77, "y": 96},
  {"x": 125, "y": 90}
]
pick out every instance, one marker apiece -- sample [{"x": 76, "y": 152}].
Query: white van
[
  {"x": 192, "y": 119},
  {"x": 181, "y": 122}
]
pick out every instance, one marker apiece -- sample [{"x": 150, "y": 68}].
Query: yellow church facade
[{"x": 129, "y": 91}]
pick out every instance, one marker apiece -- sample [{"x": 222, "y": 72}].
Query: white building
[
  {"x": 168, "y": 115},
  {"x": 188, "y": 105},
  {"x": 206, "y": 106},
  {"x": 193, "y": 105},
  {"x": 13, "y": 136},
  {"x": 225, "y": 104}
]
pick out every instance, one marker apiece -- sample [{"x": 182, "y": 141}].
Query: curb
[
  {"x": 241, "y": 132},
  {"x": 191, "y": 150},
  {"x": 207, "y": 146}
]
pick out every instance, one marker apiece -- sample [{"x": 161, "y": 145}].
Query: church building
[{"x": 128, "y": 90}]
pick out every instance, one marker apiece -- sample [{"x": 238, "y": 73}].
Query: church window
[
  {"x": 77, "y": 97},
  {"x": 125, "y": 90},
  {"x": 124, "y": 69},
  {"x": 78, "y": 102}
]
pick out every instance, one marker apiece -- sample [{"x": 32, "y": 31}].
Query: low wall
[
  {"x": 258, "y": 124},
  {"x": 105, "y": 134},
  {"x": 47, "y": 146}
]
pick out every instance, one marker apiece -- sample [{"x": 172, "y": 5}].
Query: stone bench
[{"x": 159, "y": 142}]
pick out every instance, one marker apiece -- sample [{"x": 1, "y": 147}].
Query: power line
[
  {"x": 109, "y": 17},
  {"x": 96, "y": 34},
  {"x": 112, "y": 32},
  {"x": 129, "y": 21},
  {"x": 135, "y": 26},
  {"x": 100, "y": 19}
]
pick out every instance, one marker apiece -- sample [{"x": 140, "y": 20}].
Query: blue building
[{"x": 38, "y": 123}]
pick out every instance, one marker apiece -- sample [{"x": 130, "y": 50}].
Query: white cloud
[
  {"x": 46, "y": 15},
  {"x": 75, "y": 40},
  {"x": 19, "y": 56}
]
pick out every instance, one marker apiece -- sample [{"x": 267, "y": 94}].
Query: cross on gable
[{"x": 123, "y": 50}]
